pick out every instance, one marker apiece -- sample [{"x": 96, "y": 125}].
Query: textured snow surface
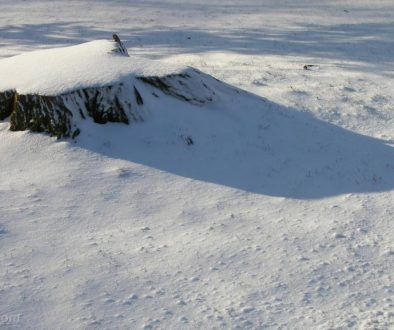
[
  {"x": 278, "y": 216},
  {"x": 59, "y": 70}
]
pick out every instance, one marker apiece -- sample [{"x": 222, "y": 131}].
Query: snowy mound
[{"x": 52, "y": 90}]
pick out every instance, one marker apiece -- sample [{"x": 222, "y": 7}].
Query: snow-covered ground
[{"x": 280, "y": 215}]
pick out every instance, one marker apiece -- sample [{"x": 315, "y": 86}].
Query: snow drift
[{"x": 238, "y": 139}]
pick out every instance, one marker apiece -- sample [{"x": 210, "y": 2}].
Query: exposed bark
[
  {"x": 41, "y": 114},
  {"x": 7, "y": 100},
  {"x": 55, "y": 115},
  {"x": 122, "y": 102},
  {"x": 103, "y": 104},
  {"x": 182, "y": 86}
]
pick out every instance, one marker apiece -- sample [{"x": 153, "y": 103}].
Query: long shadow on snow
[
  {"x": 366, "y": 42},
  {"x": 252, "y": 144},
  {"x": 371, "y": 43}
]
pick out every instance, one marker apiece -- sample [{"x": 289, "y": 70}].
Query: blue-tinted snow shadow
[
  {"x": 51, "y": 34},
  {"x": 364, "y": 42},
  {"x": 276, "y": 151},
  {"x": 371, "y": 45}
]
